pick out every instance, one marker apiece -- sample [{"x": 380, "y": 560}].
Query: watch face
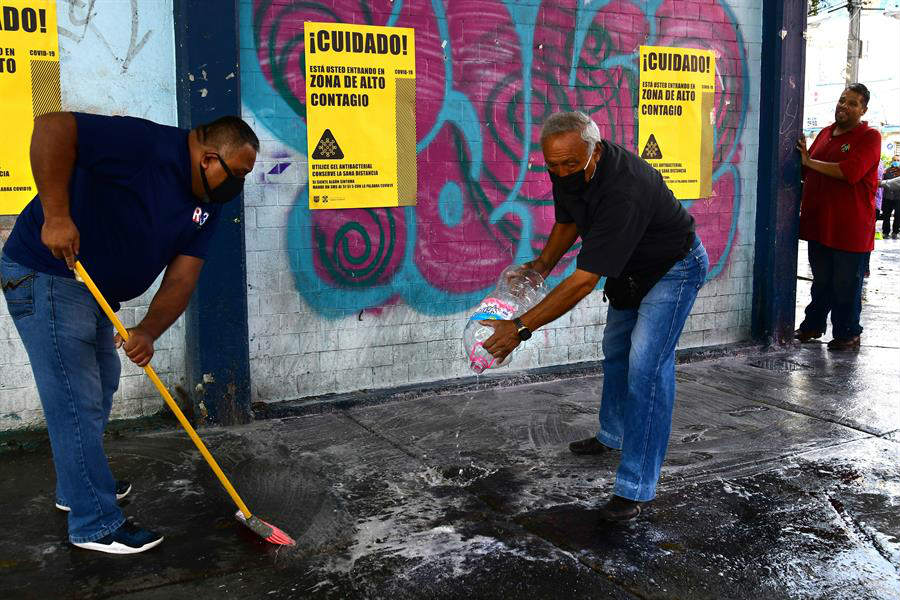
[{"x": 524, "y": 332}]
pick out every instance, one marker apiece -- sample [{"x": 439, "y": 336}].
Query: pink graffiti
[{"x": 486, "y": 56}]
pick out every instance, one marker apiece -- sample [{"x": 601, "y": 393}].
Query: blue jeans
[
  {"x": 836, "y": 288},
  {"x": 76, "y": 367},
  {"x": 639, "y": 374}
]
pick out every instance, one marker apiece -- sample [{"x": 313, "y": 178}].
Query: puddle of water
[{"x": 782, "y": 365}]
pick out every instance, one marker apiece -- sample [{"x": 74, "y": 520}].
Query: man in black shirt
[{"x": 637, "y": 235}]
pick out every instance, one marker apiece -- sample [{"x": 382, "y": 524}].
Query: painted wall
[
  {"x": 345, "y": 300},
  {"x": 351, "y": 299},
  {"x": 116, "y": 57}
]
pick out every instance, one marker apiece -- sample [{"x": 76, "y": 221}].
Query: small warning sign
[
  {"x": 361, "y": 115},
  {"x": 677, "y": 95},
  {"x": 651, "y": 150},
  {"x": 327, "y": 148},
  {"x": 29, "y": 86}
]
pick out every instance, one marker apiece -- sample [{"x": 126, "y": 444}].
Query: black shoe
[
  {"x": 127, "y": 539},
  {"x": 844, "y": 344},
  {"x": 123, "y": 488},
  {"x": 894, "y": 236},
  {"x": 588, "y": 446},
  {"x": 620, "y": 509},
  {"x": 805, "y": 335}
]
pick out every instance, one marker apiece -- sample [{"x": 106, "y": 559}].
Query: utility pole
[{"x": 854, "y": 44}]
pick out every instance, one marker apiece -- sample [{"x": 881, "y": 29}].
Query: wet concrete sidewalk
[{"x": 782, "y": 481}]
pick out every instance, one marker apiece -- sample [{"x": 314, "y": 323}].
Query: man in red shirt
[{"x": 837, "y": 218}]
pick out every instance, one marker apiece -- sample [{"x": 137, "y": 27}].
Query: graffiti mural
[{"x": 489, "y": 72}]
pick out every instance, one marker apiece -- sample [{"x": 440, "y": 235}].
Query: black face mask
[
  {"x": 573, "y": 184},
  {"x": 225, "y": 191}
]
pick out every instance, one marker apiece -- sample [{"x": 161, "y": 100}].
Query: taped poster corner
[
  {"x": 29, "y": 86},
  {"x": 676, "y": 118},
  {"x": 361, "y": 116}
]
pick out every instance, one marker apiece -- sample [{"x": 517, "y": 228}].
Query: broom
[{"x": 265, "y": 530}]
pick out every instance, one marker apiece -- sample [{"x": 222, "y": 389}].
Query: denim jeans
[
  {"x": 888, "y": 206},
  {"x": 836, "y": 288},
  {"x": 639, "y": 374},
  {"x": 76, "y": 367}
]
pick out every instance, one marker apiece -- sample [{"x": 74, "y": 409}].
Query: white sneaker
[{"x": 127, "y": 539}]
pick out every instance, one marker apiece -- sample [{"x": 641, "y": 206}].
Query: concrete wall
[
  {"x": 315, "y": 329},
  {"x": 116, "y": 57},
  {"x": 487, "y": 70}
]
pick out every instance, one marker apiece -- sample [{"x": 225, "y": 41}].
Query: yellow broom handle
[{"x": 165, "y": 393}]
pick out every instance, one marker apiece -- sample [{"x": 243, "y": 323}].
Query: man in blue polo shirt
[{"x": 130, "y": 199}]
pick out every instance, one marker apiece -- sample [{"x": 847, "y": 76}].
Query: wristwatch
[{"x": 524, "y": 332}]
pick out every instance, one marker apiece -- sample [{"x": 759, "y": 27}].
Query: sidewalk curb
[
  {"x": 329, "y": 403},
  {"x": 24, "y": 440}
]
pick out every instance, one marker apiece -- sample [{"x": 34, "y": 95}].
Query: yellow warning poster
[
  {"x": 361, "y": 115},
  {"x": 29, "y": 87},
  {"x": 675, "y": 117}
]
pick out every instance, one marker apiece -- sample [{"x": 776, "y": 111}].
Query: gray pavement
[{"x": 782, "y": 481}]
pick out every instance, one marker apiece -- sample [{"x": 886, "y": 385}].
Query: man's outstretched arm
[
  {"x": 558, "y": 302},
  {"x": 167, "y": 305}
]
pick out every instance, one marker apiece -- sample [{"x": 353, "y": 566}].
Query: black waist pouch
[{"x": 628, "y": 290}]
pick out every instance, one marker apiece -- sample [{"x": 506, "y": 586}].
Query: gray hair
[{"x": 564, "y": 122}]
